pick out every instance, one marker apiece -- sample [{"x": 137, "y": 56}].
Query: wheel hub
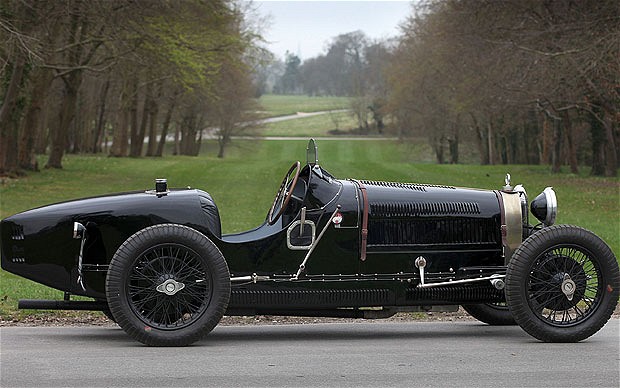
[
  {"x": 568, "y": 287},
  {"x": 561, "y": 284},
  {"x": 170, "y": 287}
]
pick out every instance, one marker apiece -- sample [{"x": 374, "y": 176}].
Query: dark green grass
[{"x": 244, "y": 183}]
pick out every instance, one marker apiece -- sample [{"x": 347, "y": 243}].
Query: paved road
[
  {"x": 451, "y": 354},
  {"x": 300, "y": 115}
]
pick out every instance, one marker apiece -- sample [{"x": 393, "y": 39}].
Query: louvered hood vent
[
  {"x": 17, "y": 232},
  {"x": 390, "y": 210},
  {"x": 439, "y": 232},
  {"x": 410, "y": 186},
  {"x": 412, "y": 216}
]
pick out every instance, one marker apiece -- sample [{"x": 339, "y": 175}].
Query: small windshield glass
[{"x": 312, "y": 153}]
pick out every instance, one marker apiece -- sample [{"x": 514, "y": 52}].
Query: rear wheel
[
  {"x": 109, "y": 315},
  {"x": 562, "y": 284},
  {"x": 495, "y": 314},
  {"x": 168, "y": 285}
]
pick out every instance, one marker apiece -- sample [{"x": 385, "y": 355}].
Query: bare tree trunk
[
  {"x": 99, "y": 127},
  {"x": 503, "y": 148},
  {"x": 133, "y": 114},
  {"x": 123, "y": 133},
  {"x": 119, "y": 135},
  {"x": 598, "y": 135},
  {"x": 490, "y": 147},
  {"x": 222, "y": 142},
  {"x": 9, "y": 119},
  {"x": 546, "y": 143},
  {"x": 615, "y": 129},
  {"x": 164, "y": 129},
  {"x": 153, "y": 112},
  {"x": 60, "y": 129},
  {"x": 177, "y": 145},
  {"x": 143, "y": 121},
  {"x": 453, "y": 143},
  {"x": 483, "y": 154},
  {"x": 77, "y": 135},
  {"x": 437, "y": 144},
  {"x": 152, "y": 145},
  {"x": 226, "y": 127},
  {"x": 556, "y": 161},
  {"x": 72, "y": 81},
  {"x": 198, "y": 143},
  {"x": 611, "y": 167},
  {"x": 531, "y": 139},
  {"x": 189, "y": 132},
  {"x": 33, "y": 120},
  {"x": 42, "y": 140},
  {"x": 512, "y": 147},
  {"x": 572, "y": 150},
  {"x": 26, "y": 157}
]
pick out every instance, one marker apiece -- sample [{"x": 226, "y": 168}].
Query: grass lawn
[
  {"x": 244, "y": 183},
  {"x": 279, "y": 105}
]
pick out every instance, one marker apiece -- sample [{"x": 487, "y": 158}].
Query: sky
[{"x": 305, "y": 28}]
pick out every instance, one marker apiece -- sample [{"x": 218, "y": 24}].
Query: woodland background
[{"x": 518, "y": 81}]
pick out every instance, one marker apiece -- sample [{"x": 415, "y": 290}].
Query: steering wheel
[{"x": 285, "y": 192}]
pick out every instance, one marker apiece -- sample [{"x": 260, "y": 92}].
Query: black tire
[
  {"x": 554, "y": 258},
  {"x": 107, "y": 311},
  {"x": 494, "y": 314},
  {"x": 109, "y": 315},
  {"x": 168, "y": 285}
]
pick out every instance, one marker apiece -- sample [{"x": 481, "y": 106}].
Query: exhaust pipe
[{"x": 82, "y": 305}]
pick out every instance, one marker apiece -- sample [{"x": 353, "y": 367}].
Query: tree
[
  {"x": 15, "y": 30},
  {"x": 233, "y": 112},
  {"x": 290, "y": 82},
  {"x": 112, "y": 66},
  {"x": 518, "y": 74}
]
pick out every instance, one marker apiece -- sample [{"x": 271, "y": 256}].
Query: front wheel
[
  {"x": 562, "y": 284},
  {"x": 168, "y": 285}
]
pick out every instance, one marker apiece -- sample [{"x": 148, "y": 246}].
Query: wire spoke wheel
[
  {"x": 565, "y": 285},
  {"x": 562, "y": 284},
  {"x": 168, "y": 285}
]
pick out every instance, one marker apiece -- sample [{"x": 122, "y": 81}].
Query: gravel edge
[{"x": 98, "y": 319}]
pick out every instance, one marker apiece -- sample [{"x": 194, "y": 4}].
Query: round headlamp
[{"x": 545, "y": 207}]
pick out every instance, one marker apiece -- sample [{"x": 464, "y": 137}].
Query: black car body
[{"x": 157, "y": 263}]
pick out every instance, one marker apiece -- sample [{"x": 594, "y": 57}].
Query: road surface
[{"x": 375, "y": 354}]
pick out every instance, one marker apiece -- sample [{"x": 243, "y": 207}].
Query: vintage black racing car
[{"x": 157, "y": 264}]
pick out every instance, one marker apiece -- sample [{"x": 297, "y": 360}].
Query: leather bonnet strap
[{"x": 364, "y": 219}]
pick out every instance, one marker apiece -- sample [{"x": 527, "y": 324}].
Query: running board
[{"x": 365, "y": 313}]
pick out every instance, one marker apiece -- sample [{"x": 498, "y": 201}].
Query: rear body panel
[{"x": 38, "y": 244}]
